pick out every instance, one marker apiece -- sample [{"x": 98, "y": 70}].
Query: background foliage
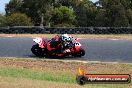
[
  {"x": 79, "y": 13},
  {"x": 18, "y": 19}
]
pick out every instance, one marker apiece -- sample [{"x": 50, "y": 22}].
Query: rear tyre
[{"x": 36, "y": 50}]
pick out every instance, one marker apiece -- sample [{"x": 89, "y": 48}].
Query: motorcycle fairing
[
  {"x": 76, "y": 47},
  {"x": 39, "y": 41}
]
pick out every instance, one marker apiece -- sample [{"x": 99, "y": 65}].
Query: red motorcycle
[{"x": 47, "y": 48}]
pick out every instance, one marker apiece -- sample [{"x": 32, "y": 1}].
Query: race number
[{"x": 77, "y": 44}]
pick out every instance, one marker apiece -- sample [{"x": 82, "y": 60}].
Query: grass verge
[
  {"x": 55, "y": 74},
  {"x": 36, "y": 75}
]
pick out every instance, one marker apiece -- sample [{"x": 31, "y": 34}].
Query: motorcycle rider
[
  {"x": 63, "y": 41},
  {"x": 66, "y": 40}
]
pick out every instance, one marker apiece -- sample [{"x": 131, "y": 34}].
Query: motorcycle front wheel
[{"x": 80, "y": 53}]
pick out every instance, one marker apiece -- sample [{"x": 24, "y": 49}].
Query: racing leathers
[{"x": 60, "y": 42}]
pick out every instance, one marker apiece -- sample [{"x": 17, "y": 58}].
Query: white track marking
[
  {"x": 9, "y": 36},
  {"x": 114, "y": 39}
]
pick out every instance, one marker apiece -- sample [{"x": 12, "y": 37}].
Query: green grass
[
  {"x": 47, "y": 76},
  {"x": 23, "y": 73},
  {"x": 29, "y": 78}
]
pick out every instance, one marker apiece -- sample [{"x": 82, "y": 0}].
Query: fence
[{"x": 75, "y": 30}]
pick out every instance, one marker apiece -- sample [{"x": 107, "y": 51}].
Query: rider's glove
[{"x": 67, "y": 51}]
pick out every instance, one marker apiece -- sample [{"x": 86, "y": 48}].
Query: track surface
[{"x": 96, "y": 50}]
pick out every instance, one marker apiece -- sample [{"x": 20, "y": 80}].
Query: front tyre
[
  {"x": 80, "y": 53},
  {"x": 36, "y": 50}
]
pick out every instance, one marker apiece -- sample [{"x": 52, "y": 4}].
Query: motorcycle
[{"x": 45, "y": 48}]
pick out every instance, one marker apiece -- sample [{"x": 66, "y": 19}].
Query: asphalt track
[{"x": 104, "y": 50}]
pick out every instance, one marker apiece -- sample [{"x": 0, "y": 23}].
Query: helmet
[
  {"x": 71, "y": 38},
  {"x": 65, "y": 37},
  {"x": 56, "y": 37}
]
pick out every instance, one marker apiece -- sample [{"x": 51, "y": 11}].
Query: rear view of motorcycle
[{"x": 44, "y": 48}]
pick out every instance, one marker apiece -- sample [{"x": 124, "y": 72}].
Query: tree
[
  {"x": 13, "y": 6},
  {"x": 114, "y": 13},
  {"x": 127, "y": 4},
  {"x": 129, "y": 16},
  {"x": 2, "y": 20},
  {"x": 118, "y": 16},
  {"x": 63, "y": 15},
  {"x": 37, "y": 8},
  {"x": 32, "y": 8},
  {"x": 101, "y": 19},
  {"x": 18, "y": 19},
  {"x": 66, "y": 3},
  {"x": 85, "y": 12}
]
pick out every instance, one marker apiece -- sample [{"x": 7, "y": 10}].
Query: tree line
[{"x": 68, "y": 13}]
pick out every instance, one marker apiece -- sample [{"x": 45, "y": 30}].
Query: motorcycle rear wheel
[{"x": 36, "y": 50}]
